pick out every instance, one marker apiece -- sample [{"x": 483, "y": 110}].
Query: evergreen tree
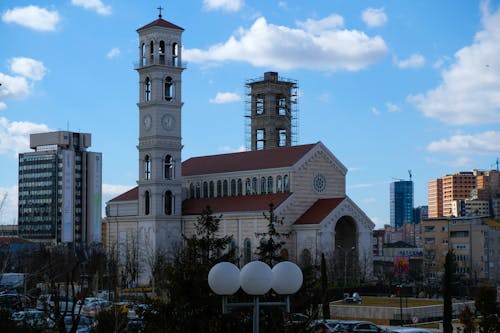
[
  {"x": 271, "y": 243},
  {"x": 485, "y": 302},
  {"x": 446, "y": 287}
]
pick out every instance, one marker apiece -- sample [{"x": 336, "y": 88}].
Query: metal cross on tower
[{"x": 159, "y": 9}]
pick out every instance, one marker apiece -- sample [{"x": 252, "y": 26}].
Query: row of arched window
[
  {"x": 168, "y": 89},
  {"x": 234, "y": 187},
  {"x": 148, "y": 54},
  {"x": 168, "y": 203},
  {"x": 168, "y": 167}
]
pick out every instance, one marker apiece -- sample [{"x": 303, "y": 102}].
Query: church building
[{"x": 304, "y": 183}]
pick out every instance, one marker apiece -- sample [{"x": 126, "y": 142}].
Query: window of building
[
  {"x": 233, "y": 187},
  {"x": 263, "y": 183},
  {"x": 270, "y": 185},
  {"x": 279, "y": 184},
  {"x": 211, "y": 189},
  {"x": 191, "y": 191},
  {"x": 259, "y": 104},
  {"x": 247, "y": 255},
  {"x": 168, "y": 203},
  {"x": 224, "y": 188},
  {"x": 205, "y": 189},
  {"x": 147, "y": 200},
  {"x": 175, "y": 54},
  {"x": 219, "y": 188},
  {"x": 147, "y": 89},
  {"x": 197, "y": 190},
  {"x": 281, "y": 105},
  {"x": 239, "y": 187},
  {"x": 147, "y": 167},
  {"x": 151, "y": 52},
  {"x": 260, "y": 139},
  {"x": 254, "y": 185},
  {"x": 281, "y": 137},
  {"x": 248, "y": 186},
  {"x": 168, "y": 167},
  {"x": 169, "y": 89},
  {"x": 161, "y": 52},
  {"x": 286, "y": 181},
  {"x": 143, "y": 55}
]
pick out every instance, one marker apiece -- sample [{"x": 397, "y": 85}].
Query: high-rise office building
[
  {"x": 60, "y": 185},
  {"x": 401, "y": 203}
]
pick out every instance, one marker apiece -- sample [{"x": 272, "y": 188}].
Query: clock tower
[{"x": 160, "y": 103}]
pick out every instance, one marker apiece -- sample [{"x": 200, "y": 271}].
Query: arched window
[
  {"x": 169, "y": 89},
  {"x": 286, "y": 180},
  {"x": 224, "y": 188},
  {"x": 248, "y": 186},
  {"x": 279, "y": 184},
  {"x": 219, "y": 188},
  {"x": 239, "y": 187},
  {"x": 233, "y": 187},
  {"x": 263, "y": 184},
  {"x": 168, "y": 203},
  {"x": 147, "y": 89},
  {"x": 254, "y": 185},
  {"x": 205, "y": 189},
  {"x": 197, "y": 190},
  {"x": 191, "y": 191},
  {"x": 270, "y": 184},
  {"x": 147, "y": 200},
  {"x": 247, "y": 255},
  {"x": 151, "y": 53},
  {"x": 143, "y": 55},
  {"x": 175, "y": 54},
  {"x": 168, "y": 167},
  {"x": 147, "y": 167},
  {"x": 211, "y": 189},
  {"x": 161, "y": 52}
]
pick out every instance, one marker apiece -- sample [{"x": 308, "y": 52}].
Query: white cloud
[
  {"x": 317, "y": 26},
  {"x": 32, "y": 17},
  {"x": 14, "y": 86},
  {"x": 392, "y": 107},
  {"x": 414, "y": 61},
  {"x": 374, "y": 17},
  {"x": 3, "y": 106},
  {"x": 375, "y": 111},
  {"x": 379, "y": 222},
  {"x": 113, "y": 53},
  {"x": 282, "y": 4},
  {"x": 469, "y": 92},
  {"x": 268, "y": 45},
  {"x": 27, "y": 67},
  {"x": 96, "y": 5},
  {"x": 486, "y": 143},
  {"x": 225, "y": 5},
  {"x": 227, "y": 149},
  {"x": 225, "y": 97},
  {"x": 463, "y": 162},
  {"x": 8, "y": 212},
  {"x": 14, "y": 136}
]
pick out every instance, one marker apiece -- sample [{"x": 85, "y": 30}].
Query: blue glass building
[{"x": 401, "y": 203}]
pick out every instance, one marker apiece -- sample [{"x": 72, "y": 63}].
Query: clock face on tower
[
  {"x": 167, "y": 121},
  {"x": 146, "y": 121}
]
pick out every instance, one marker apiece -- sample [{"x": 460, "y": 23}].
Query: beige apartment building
[
  {"x": 435, "y": 197},
  {"x": 475, "y": 242}
]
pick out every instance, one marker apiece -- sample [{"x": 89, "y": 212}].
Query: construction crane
[
  {"x": 4, "y": 198},
  {"x": 496, "y": 163}
]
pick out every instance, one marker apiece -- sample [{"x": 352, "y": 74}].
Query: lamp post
[
  {"x": 255, "y": 278},
  {"x": 346, "y": 253}
]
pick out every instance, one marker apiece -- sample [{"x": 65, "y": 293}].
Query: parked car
[
  {"x": 85, "y": 324},
  {"x": 355, "y": 326},
  {"x": 408, "y": 330},
  {"x": 32, "y": 318},
  {"x": 11, "y": 301},
  {"x": 326, "y": 326}
]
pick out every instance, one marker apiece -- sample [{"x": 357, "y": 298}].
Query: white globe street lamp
[{"x": 255, "y": 278}]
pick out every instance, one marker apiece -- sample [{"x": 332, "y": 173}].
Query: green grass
[{"x": 393, "y": 302}]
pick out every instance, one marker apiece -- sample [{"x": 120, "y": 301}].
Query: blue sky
[{"x": 387, "y": 86}]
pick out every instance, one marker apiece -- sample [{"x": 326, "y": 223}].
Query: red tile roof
[
  {"x": 319, "y": 210},
  {"x": 160, "y": 23},
  {"x": 130, "y": 195},
  {"x": 233, "y": 204},
  {"x": 248, "y": 160}
]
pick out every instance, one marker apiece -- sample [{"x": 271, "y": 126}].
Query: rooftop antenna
[
  {"x": 160, "y": 8},
  {"x": 409, "y": 173}
]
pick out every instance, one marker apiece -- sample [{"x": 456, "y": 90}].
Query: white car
[{"x": 408, "y": 330}]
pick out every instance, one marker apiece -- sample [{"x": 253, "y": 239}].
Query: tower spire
[{"x": 160, "y": 8}]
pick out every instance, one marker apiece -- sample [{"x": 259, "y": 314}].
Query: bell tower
[{"x": 160, "y": 103}]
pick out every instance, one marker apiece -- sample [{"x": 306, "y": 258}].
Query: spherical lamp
[
  {"x": 256, "y": 278},
  {"x": 287, "y": 278},
  {"x": 224, "y": 278}
]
